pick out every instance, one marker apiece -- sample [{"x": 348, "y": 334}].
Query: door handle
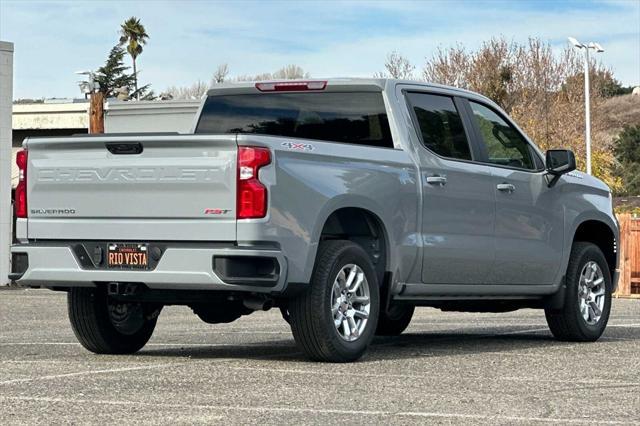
[
  {"x": 506, "y": 187},
  {"x": 436, "y": 180}
]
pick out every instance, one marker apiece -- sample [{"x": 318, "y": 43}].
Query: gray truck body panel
[{"x": 463, "y": 239}]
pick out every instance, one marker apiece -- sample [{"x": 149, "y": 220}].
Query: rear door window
[
  {"x": 440, "y": 125},
  {"x": 346, "y": 117}
]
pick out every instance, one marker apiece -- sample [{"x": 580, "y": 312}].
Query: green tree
[
  {"x": 603, "y": 82},
  {"x": 113, "y": 74},
  {"x": 134, "y": 36},
  {"x": 627, "y": 152}
]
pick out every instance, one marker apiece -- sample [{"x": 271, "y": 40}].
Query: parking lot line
[
  {"x": 148, "y": 344},
  {"x": 302, "y": 410},
  {"x": 422, "y": 377},
  {"x": 88, "y": 373},
  {"x": 623, "y": 325}
]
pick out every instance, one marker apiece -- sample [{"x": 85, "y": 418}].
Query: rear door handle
[
  {"x": 506, "y": 187},
  {"x": 436, "y": 180}
]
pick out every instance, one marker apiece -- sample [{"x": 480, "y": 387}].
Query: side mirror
[{"x": 560, "y": 161}]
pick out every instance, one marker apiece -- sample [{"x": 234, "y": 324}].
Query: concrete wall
[
  {"x": 150, "y": 116},
  {"x": 51, "y": 116},
  {"x": 6, "y": 99}
]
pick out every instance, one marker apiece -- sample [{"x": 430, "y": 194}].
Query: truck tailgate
[{"x": 179, "y": 187}]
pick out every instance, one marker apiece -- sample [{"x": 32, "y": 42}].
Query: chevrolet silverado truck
[{"x": 345, "y": 203}]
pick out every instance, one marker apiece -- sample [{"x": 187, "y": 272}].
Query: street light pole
[
  {"x": 587, "y": 109},
  {"x": 587, "y": 101}
]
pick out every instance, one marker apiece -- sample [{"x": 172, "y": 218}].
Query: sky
[{"x": 330, "y": 38}]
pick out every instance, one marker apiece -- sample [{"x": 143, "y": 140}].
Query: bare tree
[
  {"x": 288, "y": 72},
  {"x": 542, "y": 91},
  {"x": 397, "y": 66},
  {"x": 291, "y": 72},
  {"x": 221, "y": 74},
  {"x": 195, "y": 91}
]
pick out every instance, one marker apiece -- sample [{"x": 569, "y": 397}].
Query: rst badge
[{"x": 216, "y": 212}]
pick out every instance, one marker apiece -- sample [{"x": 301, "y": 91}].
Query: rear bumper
[{"x": 180, "y": 268}]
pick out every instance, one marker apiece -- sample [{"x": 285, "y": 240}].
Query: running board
[{"x": 416, "y": 292}]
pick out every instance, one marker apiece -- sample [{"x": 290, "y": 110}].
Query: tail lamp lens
[
  {"x": 21, "y": 189},
  {"x": 252, "y": 194}
]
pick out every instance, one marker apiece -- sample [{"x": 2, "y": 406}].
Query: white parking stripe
[
  {"x": 421, "y": 414},
  {"x": 423, "y": 377},
  {"x": 182, "y": 345},
  {"x": 88, "y": 373},
  {"x": 507, "y": 333}
]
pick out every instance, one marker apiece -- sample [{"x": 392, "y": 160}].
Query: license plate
[{"x": 128, "y": 256}]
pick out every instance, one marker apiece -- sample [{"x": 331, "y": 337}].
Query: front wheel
[
  {"x": 336, "y": 318},
  {"x": 106, "y": 326},
  {"x": 587, "y": 301}
]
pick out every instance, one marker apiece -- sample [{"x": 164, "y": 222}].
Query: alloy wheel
[
  {"x": 350, "y": 302},
  {"x": 591, "y": 292}
]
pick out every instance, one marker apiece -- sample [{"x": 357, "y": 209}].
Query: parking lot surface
[{"x": 446, "y": 368}]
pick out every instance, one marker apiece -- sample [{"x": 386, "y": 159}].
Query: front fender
[{"x": 600, "y": 210}]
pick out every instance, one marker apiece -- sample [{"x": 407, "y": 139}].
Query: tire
[
  {"x": 314, "y": 313},
  {"x": 569, "y": 323},
  {"x": 103, "y": 332},
  {"x": 394, "y": 322}
]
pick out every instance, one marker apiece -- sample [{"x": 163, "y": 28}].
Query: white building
[
  {"x": 6, "y": 216},
  {"x": 150, "y": 116}
]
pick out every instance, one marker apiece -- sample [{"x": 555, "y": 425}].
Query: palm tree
[{"x": 134, "y": 36}]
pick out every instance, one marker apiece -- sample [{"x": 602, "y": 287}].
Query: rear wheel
[
  {"x": 335, "y": 319},
  {"x": 395, "y": 320},
  {"x": 106, "y": 326},
  {"x": 587, "y": 301}
]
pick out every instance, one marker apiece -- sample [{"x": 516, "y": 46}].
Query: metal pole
[
  {"x": 587, "y": 108},
  {"x": 6, "y": 101}
]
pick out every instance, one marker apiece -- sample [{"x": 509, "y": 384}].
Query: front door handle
[
  {"x": 436, "y": 180},
  {"x": 506, "y": 187}
]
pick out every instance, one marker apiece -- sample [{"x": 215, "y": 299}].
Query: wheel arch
[
  {"x": 357, "y": 219},
  {"x": 603, "y": 234}
]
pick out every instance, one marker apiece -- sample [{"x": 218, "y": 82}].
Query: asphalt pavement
[{"x": 447, "y": 368}]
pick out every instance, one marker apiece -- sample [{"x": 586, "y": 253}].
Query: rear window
[{"x": 354, "y": 118}]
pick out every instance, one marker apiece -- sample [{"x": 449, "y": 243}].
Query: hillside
[{"x": 617, "y": 112}]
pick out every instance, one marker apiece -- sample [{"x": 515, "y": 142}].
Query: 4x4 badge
[{"x": 298, "y": 146}]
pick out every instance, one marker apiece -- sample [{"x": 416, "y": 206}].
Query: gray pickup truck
[{"x": 344, "y": 203}]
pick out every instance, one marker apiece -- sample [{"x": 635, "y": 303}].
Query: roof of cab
[{"x": 338, "y": 84}]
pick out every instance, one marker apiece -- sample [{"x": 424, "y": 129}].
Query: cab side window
[
  {"x": 504, "y": 144},
  {"x": 440, "y": 125}
]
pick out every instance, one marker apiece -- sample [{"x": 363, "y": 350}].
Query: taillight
[
  {"x": 252, "y": 194},
  {"x": 21, "y": 189},
  {"x": 291, "y": 86}
]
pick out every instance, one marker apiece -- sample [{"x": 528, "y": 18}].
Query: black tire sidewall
[
  {"x": 395, "y": 321},
  {"x": 587, "y": 253},
  {"x": 94, "y": 328},
  {"x": 323, "y": 284}
]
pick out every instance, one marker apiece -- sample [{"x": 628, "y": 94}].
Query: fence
[{"x": 629, "y": 247}]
